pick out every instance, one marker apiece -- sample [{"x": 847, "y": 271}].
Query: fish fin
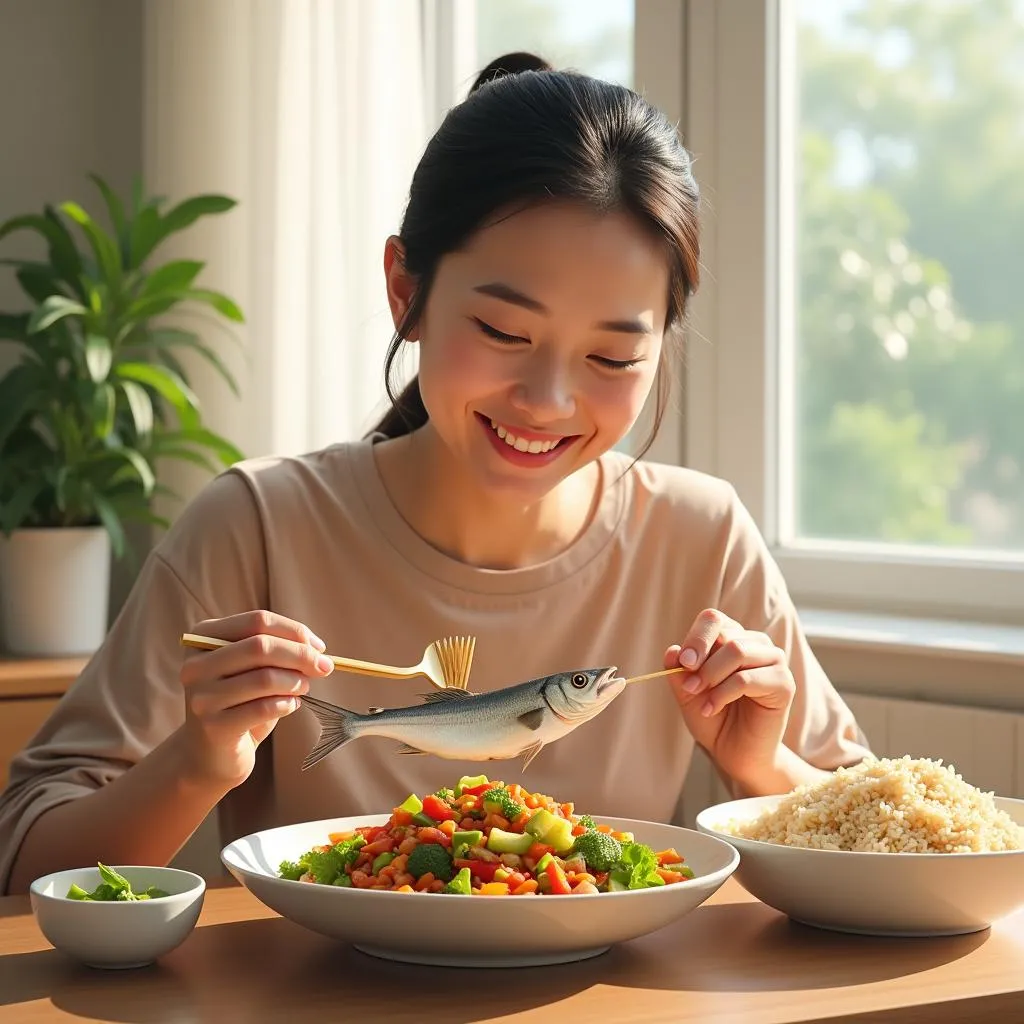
[
  {"x": 336, "y": 729},
  {"x": 438, "y": 696},
  {"x": 404, "y": 748},
  {"x": 531, "y": 753},
  {"x": 532, "y": 719}
]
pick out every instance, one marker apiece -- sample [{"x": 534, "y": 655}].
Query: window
[
  {"x": 857, "y": 359},
  {"x": 592, "y": 36}
]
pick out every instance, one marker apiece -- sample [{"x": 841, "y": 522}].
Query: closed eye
[
  {"x": 493, "y": 332},
  {"x": 617, "y": 364}
]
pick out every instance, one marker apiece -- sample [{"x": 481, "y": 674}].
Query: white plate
[
  {"x": 896, "y": 894},
  {"x": 475, "y": 931}
]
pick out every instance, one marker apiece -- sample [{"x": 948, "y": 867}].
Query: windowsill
[{"x": 863, "y": 631}]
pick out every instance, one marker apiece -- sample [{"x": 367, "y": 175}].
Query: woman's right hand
[{"x": 235, "y": 695}]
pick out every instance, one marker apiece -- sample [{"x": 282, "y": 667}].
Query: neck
[{"x": 439, "y": 500}]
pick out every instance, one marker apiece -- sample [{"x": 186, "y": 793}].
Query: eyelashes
[{"x": 513, "y": 339}]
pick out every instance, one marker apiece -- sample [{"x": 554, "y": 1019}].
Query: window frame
[{"x": 737, "y": 392}]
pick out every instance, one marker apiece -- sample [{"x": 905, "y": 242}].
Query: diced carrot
[
  {"x": 532, "y": 802},
  {"x": 428, "y": 834},
  {"x": 567, "y": 810},
  {"x": 527, "y": 887},
  {"x": 537, "y": 850},
  {"x": 604, "y": 828},
  {"x": 668, "y": 856},
  {"x": 578, "y": 830},
  {"x": 515, "y": 879},
  {"x": 405, "y": 888},
  {"x": 447, "y": 827},
  {"x": 401, "y": 817},
  {"x": 424, "y": 881},
  {"x": 670, "y": 876},
  {"x": 339, "y": 837},
  {"x": 383, "y": 845}
]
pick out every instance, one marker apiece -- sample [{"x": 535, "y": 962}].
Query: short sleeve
[
  {"x": 822, "y": 728},
  {"x": 128, "y": 698}
]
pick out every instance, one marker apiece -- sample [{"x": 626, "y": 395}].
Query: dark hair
[{"x": 527, "y": 134}]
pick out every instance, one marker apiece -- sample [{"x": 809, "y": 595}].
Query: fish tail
[{"x": 338, "y": 726}]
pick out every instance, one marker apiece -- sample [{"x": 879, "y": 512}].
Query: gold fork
[{"x": 446, "y": 663}]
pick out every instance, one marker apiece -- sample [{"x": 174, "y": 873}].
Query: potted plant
[{"x": 97, "y": 398}]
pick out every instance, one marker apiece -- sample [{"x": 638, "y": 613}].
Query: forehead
[{"x": 567, "y": 255}]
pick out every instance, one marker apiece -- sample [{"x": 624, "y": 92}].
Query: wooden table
[{"x": 733, "y": 959}]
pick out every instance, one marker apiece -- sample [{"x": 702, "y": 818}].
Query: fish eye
[{"x": 579, "y": 680}]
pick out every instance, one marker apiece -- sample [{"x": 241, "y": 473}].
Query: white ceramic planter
[{"x": 54, "y": 590}]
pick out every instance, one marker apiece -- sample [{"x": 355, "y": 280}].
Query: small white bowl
[
  {"x": 896, "y": 894},
  {"x": 114, "y": 934}
]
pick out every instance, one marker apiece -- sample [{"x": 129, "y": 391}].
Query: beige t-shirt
[{"x": 317, "y": 538}]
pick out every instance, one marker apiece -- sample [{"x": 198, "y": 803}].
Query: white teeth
[{"x": 521, "y": 444}]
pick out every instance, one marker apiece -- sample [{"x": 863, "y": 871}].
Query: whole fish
[{"x": 456, "y": 725}]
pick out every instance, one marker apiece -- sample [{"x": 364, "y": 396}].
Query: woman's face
[{"x": 540, "y": 342}]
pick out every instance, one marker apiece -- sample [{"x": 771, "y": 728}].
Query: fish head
[{"x": 578, "y": 696}]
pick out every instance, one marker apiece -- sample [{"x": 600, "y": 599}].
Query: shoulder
[
  {"x": 238, "y": 509},
  {"x": 664, "y": 496}
]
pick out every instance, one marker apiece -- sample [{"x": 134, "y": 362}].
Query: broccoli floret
[
  {"x": 600, "y": 850},
  {"x": 326, "y": 865},
  {"x": 499, "y": 801},
  {"x": 430, "y": 857},
  {"x": 446, "y": 794},
  {"x": 290, "y": 869},
  {"x": 587, "y": 822}
]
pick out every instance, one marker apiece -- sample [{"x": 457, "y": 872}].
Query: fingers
[
  {"x": 738, "y": 651},
  {"x": 255, "y": 652},
  {"x": 211, "y": 697},
  {"x": 771, "y": 686},
  {"x": 253, "y": 623},
  {"x": 699, "y": 641},
  {"x": 252, "y": 716}
]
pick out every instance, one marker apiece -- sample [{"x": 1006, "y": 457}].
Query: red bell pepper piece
[
  {"x": 434, "y": 807},
  {"x": 482, "y": 869},
  {"x": 556, "y": 879},
  {"x": 477, "y": 790}
]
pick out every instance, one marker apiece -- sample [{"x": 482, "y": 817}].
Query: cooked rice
[{"x": 888, "y": 805}]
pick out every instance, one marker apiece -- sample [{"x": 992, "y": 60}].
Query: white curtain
[{"x": 312, "y": 113}]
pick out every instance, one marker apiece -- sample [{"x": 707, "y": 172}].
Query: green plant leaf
[
  {"x": 14, "y": 511},
  {"x": 144, "y": 235},
  {"x": 116, "y": 211},
  {"x": 169, "y": 385},
  {"x": 187, "y": 455},
  {"x": 108, "y": 258},
  {"x": 112, "y": 521},
  {"x": 141, "y": 407},
  {"x": 189, "y": 211},
  {"x": 38, "y": 282},
  {"x": 63, "y": 252},
  {"x": 98, "y": 357},
  {"x": 18, "y": 398},
  {"x": 219, "y": 302},
  {"x": 221, "y": 447},
  {"x": 52, "y": 309},
  {"x": 166, "y": 338},
  {"x": 14, "y": 326},
  {"x": 104, "y": 408},
  {"x": 175, "y": 276}
]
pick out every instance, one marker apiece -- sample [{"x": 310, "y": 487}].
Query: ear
[{"x": 401, "y": 285}]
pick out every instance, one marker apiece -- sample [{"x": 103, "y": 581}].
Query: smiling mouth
[{"x": 535, "y": 445}]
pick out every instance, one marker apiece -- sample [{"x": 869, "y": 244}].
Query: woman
[{"x": 543, "y": 266}]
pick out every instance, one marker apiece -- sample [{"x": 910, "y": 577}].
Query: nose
[{"x": 546, "y": 391}]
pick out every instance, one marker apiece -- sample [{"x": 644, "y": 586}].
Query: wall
[{"x": 70, "y": 103}]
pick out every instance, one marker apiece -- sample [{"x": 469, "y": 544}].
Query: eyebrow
[{"x": 505, "y": 292}]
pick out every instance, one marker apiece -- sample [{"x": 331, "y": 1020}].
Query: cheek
[
  {"x": 457, "y": 366},
  {"x": 618, "y": 399}
]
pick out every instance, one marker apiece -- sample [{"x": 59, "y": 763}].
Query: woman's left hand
[{"x": 736, "y": 694}]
